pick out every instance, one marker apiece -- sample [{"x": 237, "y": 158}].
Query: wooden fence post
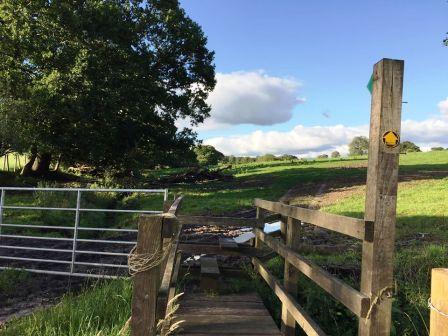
[
  {"x": 146, "y": 284},
  {"x": 381, "y": 196},
  {"x": 291, "y": 275},
  {"x": 439, "y": 302},
  {"x": 261, "y": 214}
]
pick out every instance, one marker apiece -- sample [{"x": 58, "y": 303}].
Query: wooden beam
[
  {"x": 217, "y": 221},
  {"x": 353, "y": 227},
  {"x": 355, "y": 301},
  {"x": 193, "y": 248},
  {"x": 310, "y": 327},
  {"x": 381, "y": 195},
  {"x": 291, "y": 275},
  {"x": 175, "y": 207},
  {"x": 146, "y": 284},
  {"x": 439, "y": 302},
  {"x": 168, "y": 270}
]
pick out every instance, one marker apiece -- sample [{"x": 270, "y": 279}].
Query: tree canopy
[
  {"x": 409, "y": 147},
  {"x": 359, "y": 146},
  {"x": 102, "y": 82},
  {"x": 207, "y": 155}
]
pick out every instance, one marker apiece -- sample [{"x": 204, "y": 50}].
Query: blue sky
[{"x": 322, "y": 53}]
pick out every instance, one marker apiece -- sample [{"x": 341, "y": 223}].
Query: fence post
[
  {"x": 291, "y": 275},
  {"x": 381, "y": 196},
  {"x": 261, "y": 214},
  {"x": 439, "y": 302},
  {"x": 146, "y": 284}
]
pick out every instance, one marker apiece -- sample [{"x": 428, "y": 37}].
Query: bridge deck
[{"x": 230, "y": 314}]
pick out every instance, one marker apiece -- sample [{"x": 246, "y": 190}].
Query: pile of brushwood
[{"x": 197, "y": 174}]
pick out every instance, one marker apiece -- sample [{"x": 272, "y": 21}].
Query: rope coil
[
  {"x": 431, "y": 306},
  {"x": 387, "y": 291},
  {"x": 142, "y": 262}
]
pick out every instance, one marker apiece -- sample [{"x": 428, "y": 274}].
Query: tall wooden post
[
  {"x": 146, "y": 284},
  {"x": 261, "y": 214},
  {"x": 381, "y": 195},
  {"x": 291, "y": 275},
  {"x": 439, "y": 302}
]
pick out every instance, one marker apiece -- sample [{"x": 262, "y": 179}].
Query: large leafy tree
[
  {"x": 101, "y": 82},
  {"x": 207, "y": 155},
  {"x": 358, "y": 146}
]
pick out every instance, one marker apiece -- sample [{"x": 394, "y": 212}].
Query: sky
[{"x": 292, "y": 75}]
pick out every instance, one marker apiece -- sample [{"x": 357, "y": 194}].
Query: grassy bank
[{"x": 422, "y": 226}]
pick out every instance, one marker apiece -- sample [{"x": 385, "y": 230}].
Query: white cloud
[
  {"x": 312, "y": 141},
  {"x": 250, "y": 98},
  {"x": 301, "y": 140},
  {"x": 443, "y": 107}
]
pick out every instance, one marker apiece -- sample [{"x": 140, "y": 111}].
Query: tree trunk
[
  {"x": 42, "y": 163},
  {"x": 28, "y": 167},
  {"x": 58, "y": 163}
]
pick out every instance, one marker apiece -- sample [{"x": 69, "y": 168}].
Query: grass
[
  {"x": 422, "y": 212},
  {"x": 102, "y": 309}
]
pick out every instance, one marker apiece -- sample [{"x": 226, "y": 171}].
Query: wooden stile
[
  {"x": 381, "y": 196},
  {"x": 439, "y": 302}
]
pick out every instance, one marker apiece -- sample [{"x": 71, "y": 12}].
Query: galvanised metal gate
[{"x": 52, "y": 254}]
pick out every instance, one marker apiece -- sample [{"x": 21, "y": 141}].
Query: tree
[
  {"x": 359, "y": 146},
  {"x": 322, "y": 156},
  {"x": 266, "y": 158},
  {"x": 102, "y": 82},
  {"x": 207, "y": 155},
  {"x": 437, "y": 149},
  {"x": 335, "y": 154},
  {"x": 409, "y": 147},
  {"x": 288, "y": 157}
]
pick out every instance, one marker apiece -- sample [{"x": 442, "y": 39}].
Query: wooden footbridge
[{"x": 155, "y": 290}]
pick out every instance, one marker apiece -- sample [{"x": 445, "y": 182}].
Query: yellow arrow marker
[{"x": 391, "y": 139}]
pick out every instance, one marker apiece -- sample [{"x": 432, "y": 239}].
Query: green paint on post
[{"x": 370, "y": 84}]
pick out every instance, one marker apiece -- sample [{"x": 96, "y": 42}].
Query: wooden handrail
[
  {"x": 353, "y": 227},
  {"x": 300, "y": 315},
  {"x": 348, "y": 296}
]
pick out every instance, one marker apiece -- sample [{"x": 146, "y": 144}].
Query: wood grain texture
[
  {"x": 357, "y": 302},
  {"x": 297, "y": 312},
  {"x": 381, "y": 195},
  {"x": 439, "y": 300},
  {"x": 233, "y": 314},
  {"x": 353, "y": 227},
  {"x": 146, "y": 284},
  {"x": 291, "y": 275}
]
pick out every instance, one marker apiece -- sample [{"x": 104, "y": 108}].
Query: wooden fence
[{"x": 371, "y": 304}]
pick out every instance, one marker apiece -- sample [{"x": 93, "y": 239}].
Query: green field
[{"x": 422, "y": 240}]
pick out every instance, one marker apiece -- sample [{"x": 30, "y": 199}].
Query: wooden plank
[
  {"x": 381, "y": 196},
  {"x": 353, "y": 227},
  {"x": 146, "y": 284},
  {"x": 227, "y": 325},
  {"x": 175, "y": 207},
  {"x": 217, "y": 221},
  {"x": 215, "y": 249},
  {"x": 209, "y": 273},
  {"x": 297, "y": 312},
  {"x": 168, "y": 269},
  {"x": 355, "y": 301},
  {"x": 439, "y": 302},
  {"x": 291, "y": 275},
  {"x": 201, "y": 297},
  {"x": 227, "y": 243}
]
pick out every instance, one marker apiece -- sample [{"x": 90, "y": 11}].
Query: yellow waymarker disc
[{"x": 391, "y": 139}]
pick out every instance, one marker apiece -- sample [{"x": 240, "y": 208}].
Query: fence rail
[{"x": 16, "y": 242}]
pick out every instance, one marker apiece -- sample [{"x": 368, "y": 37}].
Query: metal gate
[{"x": 69, "y": 249}]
